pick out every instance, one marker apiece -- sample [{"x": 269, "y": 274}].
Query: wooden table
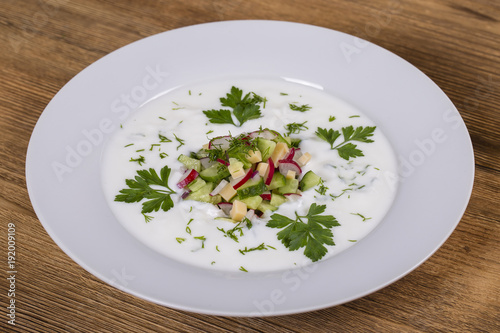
[{"x": 456, "y": 43}]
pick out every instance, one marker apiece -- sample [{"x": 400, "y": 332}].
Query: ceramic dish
[{"x": 434, "y": 150}]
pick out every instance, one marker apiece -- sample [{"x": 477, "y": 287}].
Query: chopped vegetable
[{"x": 255, "y": 172}]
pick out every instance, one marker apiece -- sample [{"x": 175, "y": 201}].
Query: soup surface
[{"x": 357, "y": 184}]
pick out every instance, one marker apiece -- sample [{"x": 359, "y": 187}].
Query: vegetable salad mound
[{"x": 248, "y": 174}]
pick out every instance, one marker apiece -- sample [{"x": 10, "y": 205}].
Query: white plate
[{"x": 427, "y": 133}]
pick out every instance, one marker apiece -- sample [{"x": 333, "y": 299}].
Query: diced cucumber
[
  {"x": 203, "y": 195},
  {"x": 309, "y": 180},
  {"x": 250, "y": 182},
  {"x": 266, "y": 147},
  {"x": 242, "y": 158},
  {"x": 200, "y": 154},
  {"x": 189, "y": 162},
  {"x": 265, "y": 205},
  {"x": 252, "y": 202},
  {"x": 277, "y": 181},
  {"x": 291, "y": 186},
  {"x": 251, "y": 189},
  {"x": 196, "y": 184},
  {"x": 277, "y": 199},
  {"x": 285, "y": 139},
  {"x": 215, "y": 173},
  {"x": 295, "y": 142}
]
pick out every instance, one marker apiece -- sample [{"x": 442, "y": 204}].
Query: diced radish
[
  {"x": 250, "y": 214},
  {"x": 244, "y": 179},
  {"x": 266, "y": 195},
  {"x": 221, "y": 161},
  {"x": 292, "y": 196},
  {"x": 233, "y": 181},
  {"x": 286, "y": 165},
  {"x": 219, "y": 187},
  {"x": 290, "y": 154},
  {"x": 187, "y": 178},
  {"x": 185, "y": 194},
  {"x": 270, "y": 172},
  {"x": 206, "y": 163},
  {"x": 221, "y": 142},
  {"x": 265, "y": 134},
  {"x": 225, "y": 207},
  {"x": 297, "y": 154}
]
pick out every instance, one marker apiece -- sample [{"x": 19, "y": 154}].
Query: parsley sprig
[
  {"x": 347, "y": 149},
  {"x": 244, "y": 108},
  {"x": 311, "y": 235},
  {"x": 140, "y": 188}
]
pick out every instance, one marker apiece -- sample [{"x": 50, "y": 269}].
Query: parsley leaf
[
  {"x": 140, "y": 188},
  {"x": 246, "y": 112},
  {"x": 244, "y": 108},
  {"x": 328, "y": 135},
  {"x": 219, "y": 116},
  {"x": 347, "y": 149},
  {"x": 359, "y": 134},
  {"x": 312, "y": 235}
]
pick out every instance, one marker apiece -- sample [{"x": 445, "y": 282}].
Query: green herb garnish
[
  {"x": 347, "y": 149},
  {"x": 261, "y": 247},
  {"x": 311, "y": 235},
  {"x": 181, "y": 141},
  {"x": 296, "y": 128},
  {"x": 322, "y": 188},
  {"x": 203, "y": 239},
  {"x": 140, "y": 189},
  {"x": 232, "y": 232},
  {"x": 364, "y": 218},
  {"x": 301, "y": 108},
  {"x": 243, "y": 108},
  {"x": 163, "y": 138},
  {"x": 141, "y": 159}
]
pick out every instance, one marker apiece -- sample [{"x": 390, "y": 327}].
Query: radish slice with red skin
[
  {"x": 265, "y": 134},
  {"x": 297, "y": 154},
  {"x": 187, "y": 178},
  {"x": 225, "y": 207},
  {"x": 219, "y": 187},
  {"x": 243, "y": 180},
  {"x": 221, "y": 161},
  {"x": 287, "y": 165},
  {"x": 270, "y": 172},
  {"x": 255, "y": 175},
  {"x": 266, "y": 195},
  {"x": 289, "y": 156},
  {"x": 221, "y": 142},
  {"x": 292, "y": 196}
]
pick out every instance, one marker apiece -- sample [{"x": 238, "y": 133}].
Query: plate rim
[{"x": 54, "y": 235}]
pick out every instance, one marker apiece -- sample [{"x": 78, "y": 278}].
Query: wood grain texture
[{"x": 456, "y": 43}]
